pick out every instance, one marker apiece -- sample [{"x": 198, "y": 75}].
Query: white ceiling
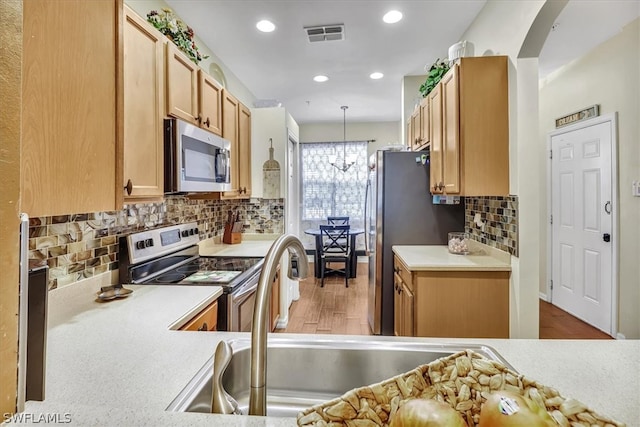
[{"x": 281, "y": 65}]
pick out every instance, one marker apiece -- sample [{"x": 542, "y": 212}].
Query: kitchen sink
[{"x": 303, "y": 373}]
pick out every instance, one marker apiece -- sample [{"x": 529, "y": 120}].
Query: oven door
[{"x": 240, "y": 304}]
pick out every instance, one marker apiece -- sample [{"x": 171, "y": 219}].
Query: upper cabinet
[
  {"x": 244, "y": 150},
  {"x": 209, "y": 103},
  {"x": 192, "y": 95},
  {"x": 143, "y": 109},
  {"x": 236, "y": 127},
  {"x": 182, "y": 85},
  {"x": 470, "y": 150},
  {"x": 419, "y": 135},
  {"x": 70, "y": 96}
]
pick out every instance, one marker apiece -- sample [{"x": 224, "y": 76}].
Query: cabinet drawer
[
  {"x": 401, "y": 270},
  {"x": 206, "y": 320}
]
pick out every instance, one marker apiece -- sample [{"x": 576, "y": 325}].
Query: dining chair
[
  {"x": 338, "y": 220},
  {"x": 335, "y": 248}
]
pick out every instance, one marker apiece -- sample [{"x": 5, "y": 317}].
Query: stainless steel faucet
[{"x": 298, "y": 269}]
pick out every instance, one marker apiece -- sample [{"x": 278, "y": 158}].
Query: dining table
[{"x": 353, "y": 232}]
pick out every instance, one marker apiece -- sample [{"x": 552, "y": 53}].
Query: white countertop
[
  {"x": 117, "y": 363},
  {"x": 251, "y": 245},
  {"x": 438, "y": 258}
]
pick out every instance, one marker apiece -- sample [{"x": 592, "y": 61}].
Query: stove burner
[
  {"x": 188, "y": 269},
  {"x": 170, "y": 277}
]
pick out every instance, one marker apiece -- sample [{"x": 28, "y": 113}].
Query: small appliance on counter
[
  {"x": 109, "y": 293},
  {"x": 170, "y": 256}
]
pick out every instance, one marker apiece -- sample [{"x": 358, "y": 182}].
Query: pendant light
[{"x": 346, "y": 164}]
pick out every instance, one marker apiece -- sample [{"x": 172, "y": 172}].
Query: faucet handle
[{"x": 221, "y": 401}]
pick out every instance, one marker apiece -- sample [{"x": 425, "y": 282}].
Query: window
[{"x": 326, "y": 190}]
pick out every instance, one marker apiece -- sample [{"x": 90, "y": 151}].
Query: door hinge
[
  {"x": 552, "y": 285},
  {"x": 551, "y": 154},
  {"x": 551, "y": 219}
]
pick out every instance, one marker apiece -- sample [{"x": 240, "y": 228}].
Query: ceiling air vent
[{"x": 323, "y": 33}]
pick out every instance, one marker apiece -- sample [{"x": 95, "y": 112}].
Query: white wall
[
  {"x": 267, "y": 123},
  {"x": 234, "y": 85},
  {"x": 609, "y": 75}
]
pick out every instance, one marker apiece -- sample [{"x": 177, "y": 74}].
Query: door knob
[{"x": 606, "y": 237}]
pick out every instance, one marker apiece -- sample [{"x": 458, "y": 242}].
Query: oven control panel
[{"x": 150, "y": 244}]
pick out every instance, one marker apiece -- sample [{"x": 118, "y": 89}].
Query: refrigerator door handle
[{"x": 366, "y": 216}]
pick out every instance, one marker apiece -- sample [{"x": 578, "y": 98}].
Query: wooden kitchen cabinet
[
  {"x": 419, "y": 123},
  {"x": 403, "y": 325},
  {"x": 206, "y": 320},
  {"x": 192, "y": 95},
  {"x": 71, "y": 101},
  {"x": 143, "y": 155},
  {"x": 209, "y": 103},
  {"x": 454, "y": 304},
  {"x": 275, "y": 302},
  {"x": 236, "y": 127},
  {"x": 474, "y": 137},
  {"x": 182, "y": 85}
]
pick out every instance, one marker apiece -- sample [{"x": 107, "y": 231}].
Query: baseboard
[
  {"x": 282, "y": 322},
  {"x": 543, "y": 296},
  {"x": 620, "y": 336}
]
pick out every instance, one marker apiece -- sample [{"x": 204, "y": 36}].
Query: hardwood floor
[
  {"x": 336, "y": 309},
  {"x": 558, "y": 324}
]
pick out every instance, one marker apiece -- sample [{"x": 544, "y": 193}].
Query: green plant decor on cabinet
[
  {"x": 437, "y": 70},
  {"x": 177, "y": 31}
]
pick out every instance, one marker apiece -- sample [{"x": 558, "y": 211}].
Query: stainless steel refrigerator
[{"x": 399, "y": 211}]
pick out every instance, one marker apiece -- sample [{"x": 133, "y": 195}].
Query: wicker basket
[{"x": 463, "y": 380}]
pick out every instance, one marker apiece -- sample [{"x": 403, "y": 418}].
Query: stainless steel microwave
[{"x": 195, "y": 160}]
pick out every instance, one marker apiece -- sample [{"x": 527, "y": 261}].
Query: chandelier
[{"x": 346, "y": 163}]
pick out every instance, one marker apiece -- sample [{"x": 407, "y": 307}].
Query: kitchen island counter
[{"x": 118, "y": 363}]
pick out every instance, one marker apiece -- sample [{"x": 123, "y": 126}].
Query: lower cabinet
[
  {"x": 206, "y": 320},
  {"x": 275, "y": 302},
  {"x": 451, "y": 304}
]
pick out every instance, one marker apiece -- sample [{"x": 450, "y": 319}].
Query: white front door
[{"x": 582, "y": 221}]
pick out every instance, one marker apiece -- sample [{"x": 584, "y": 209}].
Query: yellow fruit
[
  {"x": 426, "y": 413},
  {"x": 505, "y": 409}
]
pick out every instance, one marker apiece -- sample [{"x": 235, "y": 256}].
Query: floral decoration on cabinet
[{"x": 177, "y": 31}]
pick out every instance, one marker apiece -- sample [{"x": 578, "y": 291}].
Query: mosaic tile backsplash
[
  {"x": 79, "y": 246},
  {"x": 500, "y": 217}
]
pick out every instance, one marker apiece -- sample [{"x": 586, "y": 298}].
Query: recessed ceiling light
[
  {"x": 376, "y": 75},
  {"x": 321, "y": 78},
  {"x": 392, "y": 16},
  {"x": 265, "y": 26}
]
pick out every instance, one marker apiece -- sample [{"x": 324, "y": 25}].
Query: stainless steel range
[{"x": 170, "y": 256}]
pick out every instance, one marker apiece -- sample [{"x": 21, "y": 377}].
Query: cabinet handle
[
  {"x": 204, "y": 327},
  {"x": 199, "y": 118},
  {"x": 129, "y": 187},
  {"x": 207, "y": 122}
]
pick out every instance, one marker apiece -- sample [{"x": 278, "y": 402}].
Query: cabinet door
[
  {"x": 397, "y": 306},
  {"x": 451, "y": 132},
  {"x": 424, "y": 121},
  {"x": 435, "y": 118},
  {"x": 143, "y": 108},
  {"x": 407, "y": 322},
  {"x": 210, "y": 103},
  {"x": 415, "y": 124},
  {"x": 275, "y": 302},
  {"x": 230, "y": 107},
  {"x": 206, "y": 320},
  {"x": 182, "y": 85},
  {"x": 244, "y": 151},
  {"x": 70, "y": 106}
]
